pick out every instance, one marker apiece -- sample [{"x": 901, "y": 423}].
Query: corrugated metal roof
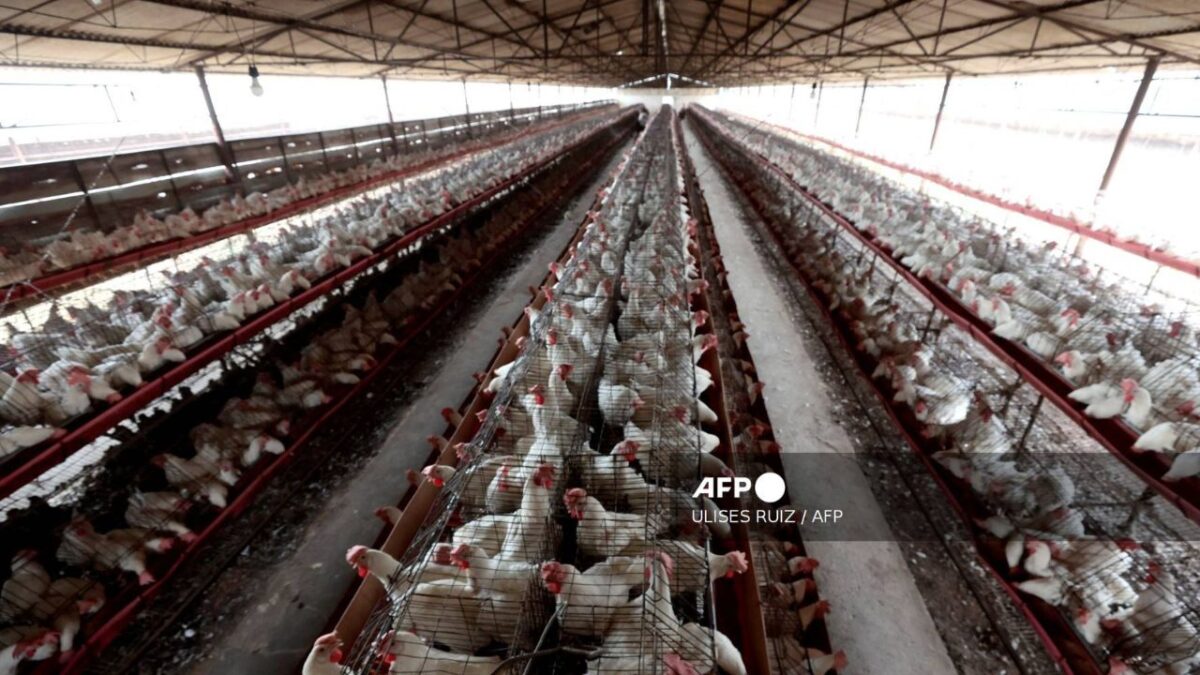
[{"x": 604, "y": 42}]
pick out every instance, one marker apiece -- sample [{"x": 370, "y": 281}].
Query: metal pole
[
  {"x": 511, "y": 112},
  {"x": 791, "y": 101},
  {"x": 222, "y": 146},
  {"x": 162, "y": 156},
  {"x": 324, "y": 152},
  {"x": 1134, "y": 109},
  {"x": 387, "y": 99},
  {"x": 87, "y": 197},
  {"x": 287, "y": 170},
  {"x": 861, "y": 102},
  {"x": 467, "y": 107},
  {"x": 817, "y": 112},
  {"x": 937, "y": 121}
]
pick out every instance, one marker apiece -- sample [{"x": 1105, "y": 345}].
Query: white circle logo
[{"x": 769, "y": 487}]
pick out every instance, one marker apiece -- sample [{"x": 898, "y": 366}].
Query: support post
[
  {"x": 467, "y": 107},
  {"x": 791, "y": 101},
  {"x": 387, "y": 99},
  {"x": 222, "y": 146},
  {"x": 1134, "y": 109},
  {"x": 162, "y": 157},
  {"x": 937, "y": 121},
  {"x": 287, "y": 170},
  {"x": 861, "y": 102},
  {"x": 817, "y": 112},
  {"x": 511, "y": 112},
  {"x": 87, "y": 196},
  {"x": 324, "y": 152}
]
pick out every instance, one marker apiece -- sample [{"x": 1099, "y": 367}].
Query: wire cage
[
  {"x": 68, "y": 358},
  {"x": 1092, "y": 324},
  {"x": 84, "y": 545},
  {"x": 119, "y": 216},
  {"x": 621, "y": 573},
  {"x": 1078, "y": 534}
]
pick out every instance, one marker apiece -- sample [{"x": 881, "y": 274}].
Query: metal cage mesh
[
  {"x": 1065, "y": 521},
  {"x": 572, "y": 504}
]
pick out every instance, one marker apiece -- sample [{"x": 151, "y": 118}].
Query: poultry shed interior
[{"x": 671, "y": 337}]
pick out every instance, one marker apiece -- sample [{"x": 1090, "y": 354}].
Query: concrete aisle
[
  {"x": 879, "y": 617},
  {"x": 298, "y": 597}
]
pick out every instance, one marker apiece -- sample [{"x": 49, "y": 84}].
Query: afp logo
[{"x": 769, "y": 487}]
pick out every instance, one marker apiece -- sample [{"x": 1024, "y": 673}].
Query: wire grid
[
  {"x": 786, "y": 595},
  {"x": 158, "y": 512},
  {"x": 784, "y": 600},
  {"x": 996, "y": 434},
  {"x": 570, "y": 428},
  {"x": 92, "y": 344},
  {"x": 506, "y": 422},
  {"x": 1096, "y": 324},
  {"x": 644, "y": 630}
]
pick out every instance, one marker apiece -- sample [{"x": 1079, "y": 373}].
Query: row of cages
[
  {"x": 1121, "y": 359},
  {"x": 784, "y": 595},
  {"x": 1100, "y": 563},
  {"x": 1157, "y": 252},
  {"x": 556, "y": 531},
  {"x": 91, "y": 361},
  {"x": 99, "y": 540},
  {"x": 98, "y": 193},
  {"x": 1087, "y": 323},
  {"x": 151, "y": 245}
]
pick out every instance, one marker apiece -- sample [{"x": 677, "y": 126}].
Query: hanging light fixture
[{"x": 256, "y": 87}]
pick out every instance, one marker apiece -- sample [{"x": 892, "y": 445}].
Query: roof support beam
[
  {"x": 861, "y": 103},
  {"x": 548, "y": 23},
  {"x": 222, "y": 147},
  {"x": 746, "y": 36},
  {"x": 941, "y": 33},
  {"x": 937, "y": 121},
  {"x": 713, "y": 8},
  {"x": 1107, "y": 35},
  {"x": 941, "y": 22},
  {"x": 1134, "y": 109},
  {"x": 850, "y": 21},
  {"x": 783, "y": 25},
  {"x": 904, "y": 24}
]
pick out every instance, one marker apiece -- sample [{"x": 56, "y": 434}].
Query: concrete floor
[
  {"x": 296, "y": 599},
  {"x": 879, "y": 616}
]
